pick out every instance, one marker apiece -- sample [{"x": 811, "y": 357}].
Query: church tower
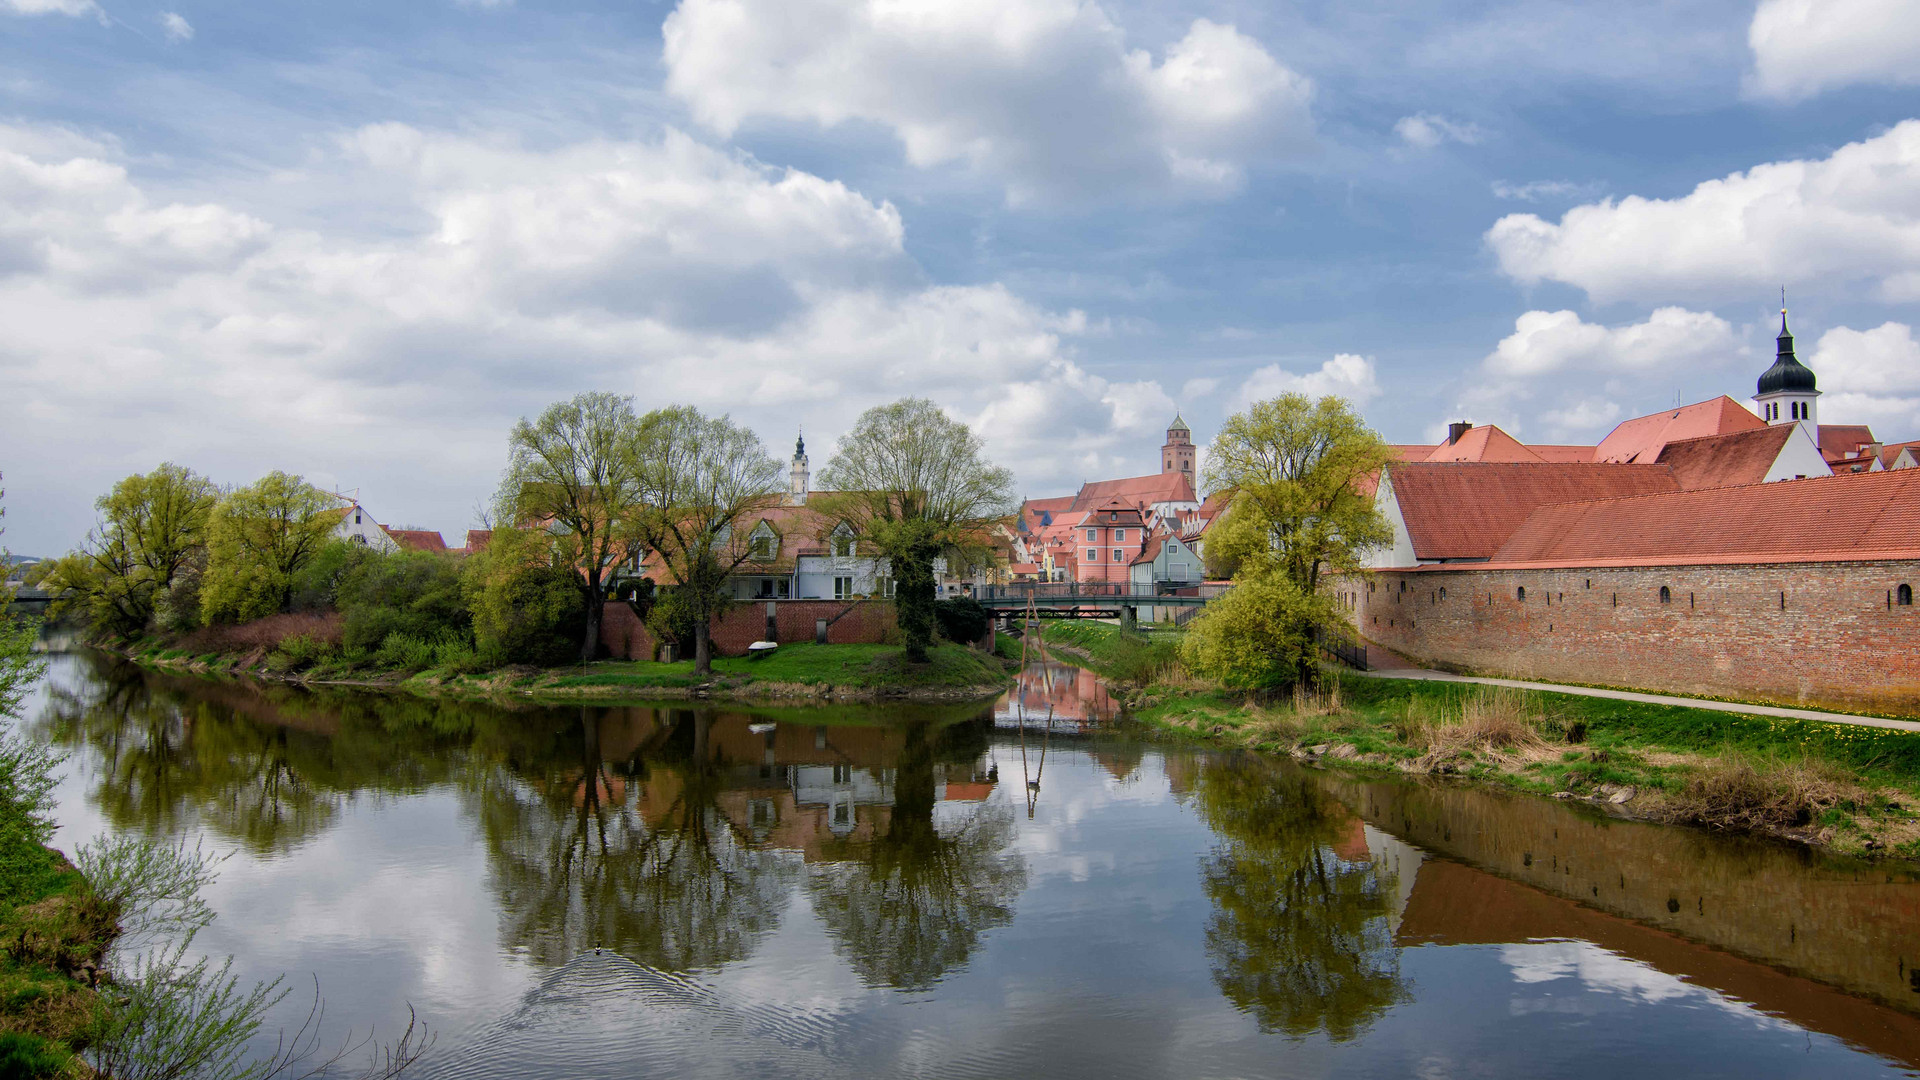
[
  {"x": 1177, "y": 454},
  {"x": 1787, "y": 391},
  {"x": 799, "y": 478}
]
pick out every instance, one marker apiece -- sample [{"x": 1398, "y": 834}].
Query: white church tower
[
  {"x": 798, "y": 477},
  {"x": 1787, "y": 391}
]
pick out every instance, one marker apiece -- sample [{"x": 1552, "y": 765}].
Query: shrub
[
  {"x": 961, "y": 619},
  {"x": 300, "y": 652},
  {"x": 530, "y": 615},
  {"x": 264, "y": 635},
  {"x": 1257, "y": 636}
]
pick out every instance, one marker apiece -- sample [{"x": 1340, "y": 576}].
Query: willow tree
[
  {"x": 576, "y": 472},
  {"x": 1302, "y": 475},
  {"x": 151, "y": 540},
  {"x": 703, "y": 476},
  {"x": 914, "y": 482},
  {"x": 258, "y": 539}
]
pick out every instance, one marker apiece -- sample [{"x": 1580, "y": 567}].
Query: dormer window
[
  {"x": 765, "y": 545},
  {"x": 841, "y": 542}
]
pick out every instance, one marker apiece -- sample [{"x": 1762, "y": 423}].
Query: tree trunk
[
  {"x": 702, "y": 648},
  {"x": 596, "y": 604}
]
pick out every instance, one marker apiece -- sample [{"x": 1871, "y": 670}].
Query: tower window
[
  {"x": 1666, "y": 595},
  {"x": 1903, "y": 596}
]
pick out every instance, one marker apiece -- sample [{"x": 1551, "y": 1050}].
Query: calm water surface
[{"x": 668, "y": 891}]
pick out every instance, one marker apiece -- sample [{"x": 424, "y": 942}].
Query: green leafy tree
[
  {"x": 1299, "y": 935},
  {"x": 915, "y": 483},
  {"x": 259, "y": 539},
  {"x": 143, "y": 560},
  {"x": 1302, "y": 475},
  {"x": 576, "y": 471},
  {"x": 704, "y": 475}
]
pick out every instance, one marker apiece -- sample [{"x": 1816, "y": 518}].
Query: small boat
[{"x": 761, "y": 648}]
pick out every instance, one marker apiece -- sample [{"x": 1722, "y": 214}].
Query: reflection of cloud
[{"x": 1600, "y": 971}]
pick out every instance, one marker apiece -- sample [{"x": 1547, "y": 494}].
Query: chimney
[{"x": 1457, "y": 429}]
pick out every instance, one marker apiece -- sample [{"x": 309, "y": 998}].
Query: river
[{"x": 661, "y": 890}]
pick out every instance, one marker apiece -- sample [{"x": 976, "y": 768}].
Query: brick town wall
[
  {"x": 1841, "y": 640},
  {"x": 868, "y": 622}
]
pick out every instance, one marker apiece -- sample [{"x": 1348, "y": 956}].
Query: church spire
[{"x": 1788, "y": 392}]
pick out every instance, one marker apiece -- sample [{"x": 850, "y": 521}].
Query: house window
[
  {"x": 1116, "y": 555},
  {"x": 843, "y": 543},
  {"x": 1520, "y": 593},
  {"x": 1903, "y": 596},
  {"x": 1443, "y": 593},
  {"x": 1666, "y": 595},
  {"x": 1119, "y": 536},
  {"x": 883, "y": 587},
  {"x": 1092, "y": 535},
  {"x": 843, "y": 588},
  {"x": 1093, "y": 555}
]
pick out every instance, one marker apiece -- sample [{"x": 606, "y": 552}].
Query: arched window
[
  {"x": 1520, "y": 593},
  {"x": 1903, "y": 596},
  {"x": 1443, "y": 593},
  {"x": 1666, "y": 595}
]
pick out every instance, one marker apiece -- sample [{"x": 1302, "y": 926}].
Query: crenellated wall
[{"x": 1814, "y": 634}]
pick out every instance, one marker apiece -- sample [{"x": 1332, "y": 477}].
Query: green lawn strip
[
  {"x": 861, "y": 666},
  {"x": 46, "y": 1013}
]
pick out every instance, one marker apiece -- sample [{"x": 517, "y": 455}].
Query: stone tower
[
  {"x": 1787, "y": 391},
  {"x": 798, "y": 477},
  {"x": 1177, "y": 454}
]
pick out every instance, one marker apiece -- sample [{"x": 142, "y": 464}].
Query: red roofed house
[
  {"x": 1462, "y": 511},
  {"x": 1075, "y": 537},
  {"x": 417, "y": 539}
]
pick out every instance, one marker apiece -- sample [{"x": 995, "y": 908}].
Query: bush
[
  {"x": 529, "y": 615},
  {"x": 1256, "y": 636},
  {"x": 300, "y": 652},
  {"x": 961, "y": 619}
]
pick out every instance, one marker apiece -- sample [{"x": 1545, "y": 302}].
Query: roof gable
[
  {"x": 1484, "y": 443},
  {"x": 1640, "y": 440},
  {"x": 1717, "y": 461}
]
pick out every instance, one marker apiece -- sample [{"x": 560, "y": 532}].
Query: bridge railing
[{"x": 1096, "y": 590}]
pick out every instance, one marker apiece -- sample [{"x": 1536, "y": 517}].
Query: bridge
[
  {"x": 28, "y": 598},
  {"x": 1095, "y": 599}
]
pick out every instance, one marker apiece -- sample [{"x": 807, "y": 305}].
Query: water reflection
[
  {"x": 1300, "y": 935},
  {"x": 764, "y": 885}
]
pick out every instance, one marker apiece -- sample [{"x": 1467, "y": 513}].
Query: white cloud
[
  {"x": 1346, "y": 375},
  {"x": 49, "y": 7},
  {"x": 1043, "y": 96},
  {"x": 1582, "y": 416},
  {"x": 1538, "y": 190},
  {"x": 1427, "y": 130},
  {"x": 1871, "y": 375},
  {"x": 1850, "y": 217},
  {"x": 176, "y": 26},
  {"x": 1801, "y": 47},
  {"x": 1549, "y": 341},
  {"x": 204, "y": 334}
]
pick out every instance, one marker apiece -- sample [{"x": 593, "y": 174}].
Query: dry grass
[
  {"x": 1734, "y": 793},
  {"x": 1494, "y": 721},
  {"x": 1321, "y": 700},
  {"x": 265, "y": 635}
]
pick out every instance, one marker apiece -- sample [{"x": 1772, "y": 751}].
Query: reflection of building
[
  {"x": 1826, "y": 947},
  {"x": 1060, "y": 691}
]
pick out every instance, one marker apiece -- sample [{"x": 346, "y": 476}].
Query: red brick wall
[
  {"x": 1837, "y": 641},
  {"x": 868, "y": 622}
]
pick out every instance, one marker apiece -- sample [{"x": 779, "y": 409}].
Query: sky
[{"x": 357, "y": 241}]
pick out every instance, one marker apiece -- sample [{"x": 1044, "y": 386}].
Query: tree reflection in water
[
  {"x": 667, "y": 880},
  {"x": 912, "y": 903},
  {"x": 1299, "y": 936}
]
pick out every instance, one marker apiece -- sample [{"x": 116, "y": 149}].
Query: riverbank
[
  {"x": 1848, "y": 788},
  {"x": 56, "y": 933},
  {"x": 792, "y": 673}
]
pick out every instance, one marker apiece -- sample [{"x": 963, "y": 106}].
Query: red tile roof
[
  {"x": 1847, "y": 518},
  {"x": 1844, "y": 440},
  {"x": 1640, "y": 439},
  {"x": 1484, "y": 443},
  {"x": 1561, "y": 453},
  {"x": 478, "y": 539},
  {"x": 417, "y": 539},
  {"x": 1142, "y": 491},
  {"x": 1717, "y": 461},
  {"x": 1890, "y": 452},
  {"x": 1467, "y": 509}
]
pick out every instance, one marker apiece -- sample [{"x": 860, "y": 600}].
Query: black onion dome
[{"x": 1787, "y": 372}]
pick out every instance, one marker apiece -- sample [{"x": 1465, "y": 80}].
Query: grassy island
[{"x": 1851, "y": 788}]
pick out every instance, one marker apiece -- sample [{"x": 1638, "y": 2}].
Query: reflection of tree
[
  {"x": 268, "y": 767},
  {"x": 914, "y": 903},
  {"x": 1299, "y": 936},
  {"x": 579, "y": 866}
]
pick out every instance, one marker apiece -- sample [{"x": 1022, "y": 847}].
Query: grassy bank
[
  {"x": 798, "y": 671},
  {"x": 56, "y": 933},
  {"x": 1851, "y": 788}
]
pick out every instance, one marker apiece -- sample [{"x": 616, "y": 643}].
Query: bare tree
[
  {"x": 702, "y": 476},
  {"x": 914, "y": 482},
  {"x": 577, "y": 472}
]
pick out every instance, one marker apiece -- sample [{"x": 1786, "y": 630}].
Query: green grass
[
  {"x": 1133, "y": 659},
  {"x": 857, "y": 666}
]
